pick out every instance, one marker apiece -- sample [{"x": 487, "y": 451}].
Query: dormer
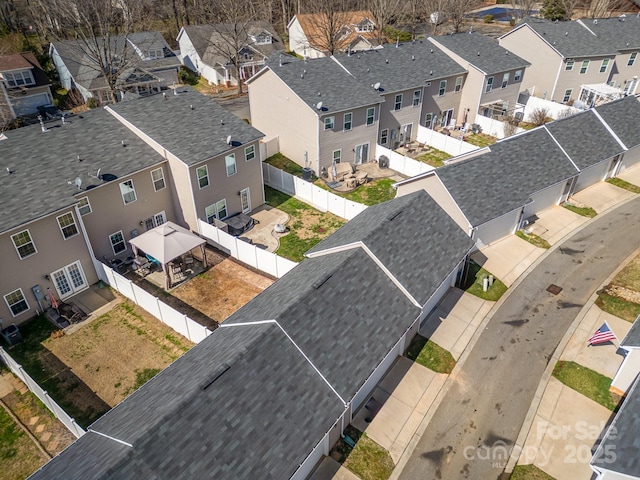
[
  {"x": 154, "y": 54},
  {"x": 262, "y": 38},
  {"x": 365, "y": 25},
  {"x": 18, "y": 78}
]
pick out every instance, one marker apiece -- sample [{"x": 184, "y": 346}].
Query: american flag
[{"x": 602, "y": 335}]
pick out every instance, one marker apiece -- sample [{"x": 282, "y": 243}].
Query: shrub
[
  {"x": 188, "y": 76},
  {"x": 93, "y": 102},
  {"x": 487, "y": 18},
  {"x": 539, "y": 116}
]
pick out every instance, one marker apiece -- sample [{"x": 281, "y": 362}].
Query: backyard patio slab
[
  {"x": 602, "y": 196},
  {"x": 555, "y": 223},
  {"x": 262, "y": 234}
]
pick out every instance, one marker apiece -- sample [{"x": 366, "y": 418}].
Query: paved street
[{"x": 491, "y": 393}]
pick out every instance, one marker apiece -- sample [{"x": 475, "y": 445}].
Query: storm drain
[{"x": 555, "y": 289}]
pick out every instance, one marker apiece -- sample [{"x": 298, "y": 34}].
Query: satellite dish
[
  {"x": 97, "y": 175},
  {"x": 376, "y": 86},
  {"x": 229, "y": 140},
  {"x": 319, "y": 106},
  {"x": 78, "y": 182}
]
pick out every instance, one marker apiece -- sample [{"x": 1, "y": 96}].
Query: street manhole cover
[{"x": 555, "y": 289}]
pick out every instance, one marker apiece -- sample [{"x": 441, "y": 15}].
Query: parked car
[{"x": 51, "y": 112}]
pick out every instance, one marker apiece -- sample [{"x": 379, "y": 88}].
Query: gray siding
[
  {"x": 434, "y": 103},
  {"x": 621, "y": 72},
  {"x": 392, "y": 119},
  {"x": 574, "y": 79}
]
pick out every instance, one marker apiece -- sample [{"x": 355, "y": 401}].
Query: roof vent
[
  {"x": 9, "y": 171},
  {"x": 321, "y": 281},
  {"x": 566, "y": 34},
  {"x": 302, "y": 75},
  {"x": 123, "y": 144},
  {"x": 430, "y": 72},
  {"x": 216, "y": 375},
  {"x": 413, "y": 57},
  {"x": 191, "y": 107},
  {"x": 478, "y": 53},
  {"x": 431, "y": 50},
  {"x": 595, "y": 21},
  {"x": 221, "y": 122},
  {"x": 79, "y": 159},
  {"x": 386, "y": 60}
]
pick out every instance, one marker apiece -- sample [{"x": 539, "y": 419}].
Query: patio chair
[
  {"x": 153, "y": 261},
  {"x": 362, "y": 177}
]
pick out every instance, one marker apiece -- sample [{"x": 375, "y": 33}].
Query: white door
[
  {"x": 69, "y": 280},
  {"x": 157, "y": 219},
  {"x": 245, "y": 200},
  {"x": 405, "y": 133},
  {"x": 362, "y": 153}
]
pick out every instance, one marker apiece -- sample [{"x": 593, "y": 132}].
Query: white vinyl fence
[
  {"x": 269, "y": 147},
  {"x": 44, "y": 397},
  {"x": 323, "y": 200},
  {"x": 453, "y": 145},
  {"x": 494, "y": 127},
  {"x": 556, "y": 110},
  {"x": 250, "y": 254},
  {"x": 401, "y": 163},
  {"x": 163, "y": 312}
]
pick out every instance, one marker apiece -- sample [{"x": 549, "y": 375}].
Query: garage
[
  {"x": 544, "y": 199},
  {"x": 592, "y": 175},
  {"x": 29, "y": 104},
  {"x": 631, "y": 158},
  {"x": 497, "y": 228}
]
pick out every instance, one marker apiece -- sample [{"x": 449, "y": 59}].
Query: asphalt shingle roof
[
  {"x": 621, "y": 32},
  {"x": 409, "y": 65},
  {"x": 482, "y": 52},
  {"x": 498, "y": 182},
  {"x": 619, "y": 450},
  {"x": 585, "y": 139},
  {"x": 242, "y": 404},
  {"x": 342, "y": 310},
  {"x": 323, "y": 80},
  {"x": 571, "y": 39},
  {"x": 43, "y": 164},
  {"x": 26, "y": 60},
  {"x": 192, "y": 134},
  {"x": 632, "y": 338},
  {"x": 622, "y": 116},
  {"x": 379, "y": 227}
]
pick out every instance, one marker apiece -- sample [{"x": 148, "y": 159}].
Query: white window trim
[
  {"x": 564, "y": 97},
  {"x": 11, "y": 82},
  {"x": 235, "y": 166},
  {"x": 206, "y": 174},
  {"x": 133, "y": 188},
  {"x": 330, "y": 119},
  {"x": 430, "y": 124},
  {"x": 458, "y": 85},
  {"x": 568, "y": 67},
  {"x": 489, "y": 86},
  {"x": 384, "y": 134},
  {"x": 164, "y": 183},
  {"x": 350, "y": 122},
  {"x": 632, "y": 59},
  {"x": 605, "y": 65},
  {"x": 372, "y": 116},
  {"x": 333, "y": 156},
  {"x": 24, "y": 299},
  {"x": 74, "y": 224},
  {"x": 35, "y": 250},
  {"x": 88, "y": 205},
  {"x": 442, "y": 88},
  {"x": 517, "y": 76},
  {"x": 216, "y": 212},
  {"x": 505, "y": 80},
  {"x": 397, "y": 102},
  {"x": 124, "y": 242},
  {"x": 246, "y": 154},
  {"x": 585, "y": 67}
]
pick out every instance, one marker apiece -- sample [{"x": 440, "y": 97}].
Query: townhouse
[
  {"x": 24, "y": 86},
  {"x": 77, "y": 192}
]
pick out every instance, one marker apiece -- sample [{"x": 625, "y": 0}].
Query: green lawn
[
  {"x": 307, "y": 226},
  {"x": 367, "y": 460},
  {"x": 533, "y": 239},
  {"x": 588, "y": 382},
  {"x": 529, "y": 472},
  {"x": 619, "y": 307},
  {"x": 584, "y": 211},
  {"x": 372, "y": 193},
  {"x": 434, "y": 157},
  {"x": 618, "y": 182},
  {"x": 475, "y": 276},
  {"x": 283, "y": 163},
  {"x": 480, "y": 139},
  {"x": 19, "y": 457},
  {"x": 430, "y": 355}
]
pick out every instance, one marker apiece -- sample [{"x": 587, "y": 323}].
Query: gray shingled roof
[
  {"x": 322, "y": 80},
  {"x": 44, "y": 163},
  {"x": 571, "y": 39},
  {"x": 242, "y": 404},
  {"x": 502, "y": 180},
  {"x": 341, "y": 310},
  {"x": 632, "y": 338},
  {"x": 409, "y": 65},
  {"x": 380, "y": 228},
  {"x": 621, "y": 32},
  {"x": 482, "y": 52},
  {"x": 619, "y": 450},
  {"x": 585, "y": 139},
  {"x": 622, "y": 116},
  {"x": 193, "y": 135}
]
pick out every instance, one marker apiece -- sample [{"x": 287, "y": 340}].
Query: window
[
  {"x": 23, "y": 243},
  {"x": 397, "y": 105},
  {"x": 84, "y": 207},
  {"x": 347, "y": 121},
  {"x": 157, "y": 219},
  {"x": 384, "y": 136},
  {"x": 458, "y": 86},
  {"x": 18, "y": 79},
  {"x": 337, "y": 156},
  {"x": 16, "y": 302},
  {"x": 230, "y": 164},
  {"x": 128, "y": 192},
  {"x": 604, "y": 65},
  {"x": 371, "y": 115},
  {"x": 567, "y": 95},
  {"x": 117, "y": 242},
  {"x": 443, "y": 88},
  {"x": 157, "y": 176},
  {"x": 584, "y": 67},
  {"x": 505, "y": 80},
  {"x": 263, "y": 39},
  {"x": 428, "y": 119},
  {"x": 517, "y": 76},
  {"x": 417, "y": 96},
  {"x": 489, "y": 85},
  {"x": 154, "y": 54},
  {"x": 632, "y": 59},
  {"x": 569, "y": 66},
  {"x": 249, "y": 153},
  {"x": 203, "y": 176},
  {"x": 329, "y": 123},
  {"x": 67, "y": 225},
  {"x": 217, "y": 210}
]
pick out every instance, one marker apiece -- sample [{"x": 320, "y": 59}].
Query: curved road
[{"x": 488, "y": 400}]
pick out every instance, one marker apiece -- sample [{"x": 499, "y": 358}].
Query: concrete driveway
[
  {"x": 602, "y": 196},
  {"x": 555, "y": 223},
  {"x": 631, "y": 175}
]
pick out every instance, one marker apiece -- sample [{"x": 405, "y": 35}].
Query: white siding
[
  {"x": 628, "y": 371},
  {"x": 592, "y": 175},
  {"x": 544, "y": 199},
  {"x": 497, "y": 228},
  {"x": 631, "y": 158}
]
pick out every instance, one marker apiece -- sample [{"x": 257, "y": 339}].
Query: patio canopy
[{"x": 167, "y": 242}]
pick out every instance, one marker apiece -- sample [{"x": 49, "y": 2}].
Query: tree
[
  {"x": 522, "y": 8},
  {"x": 555, "y": 10},
  {"x": 456, "y": 12},
  {"x": 327, "y": 24},
  {"x": 383, "y": 11},
  {"x": 510, "y": 126},
  {"x": 539, "y": 116}
]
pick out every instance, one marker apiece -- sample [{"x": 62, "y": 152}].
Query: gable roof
[
  {"x": 314, "y": 27},
  {"x": 432, "y": 230},
  {"x": 622, "y": 32},
  {"x": 195, "y": 134},
  {"x": 585, "y": 139},
  {"x": 322, "y": 80},
  {"x": 482, "y": 52},
  {"x": 506, "y": 176},
  {"x": 24, "y": 61},
  {"x": 570, "y": 39},
  {"x": 419, "y": 62},
  {"x": 242, "y": 404},
  {"x": 632, "y": 338},
  {"x": 43, "y": 164},
  {"x": 622, "y": 116}
]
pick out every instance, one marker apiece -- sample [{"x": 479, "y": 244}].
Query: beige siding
[
  {"x": 53, "y": 253},
  {"x": 471, "y": 95},
  {"x": 622, "y": 73},
  {"x": 509, "y": 94},
  {"x": 278, "y": 112},
  {"x": 433, "y": 103}
]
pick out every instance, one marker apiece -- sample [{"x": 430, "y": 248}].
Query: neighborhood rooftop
[
  {"x": 621, "y": 32},
  {"x": 191, "y": 126},
  {"x": 622, "y": 116},
  {"x": 632, "y": 338},
  {"x": 482, "y": 52},
  {"x": 396, "y": 68}
]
